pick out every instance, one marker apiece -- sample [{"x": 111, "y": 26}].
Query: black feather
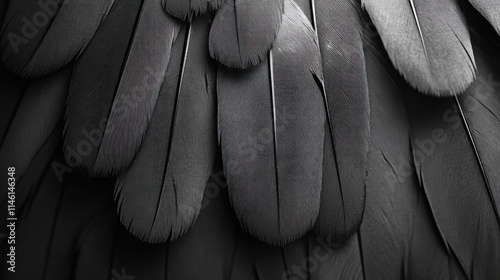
[
  {"x": 179, "y": 146},
  {"x": 340, "y": 32},
  {"x": 108, "y": 111},
  {"x": 34, "y": 132},
  {"x": 243, "y": 32},
  {"x": 39, "y": 37}
]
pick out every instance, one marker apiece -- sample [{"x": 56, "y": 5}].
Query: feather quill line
[
  {"x": 417, "y": 22},
  {"x": 273, "y": 102},
  {"x": 478, "y": 157},
  {"x": 174, "y": 118}
]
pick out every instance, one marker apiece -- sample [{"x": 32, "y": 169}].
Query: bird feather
[
  {"x": 179, "y": 147},
  {"x": 108, "y": 111},
  {"x": 271, "y": 122},
  {"x": 243, "y": 32},
  {"x": 427, "y": 41},
  {"x": 340, "y": 35}
]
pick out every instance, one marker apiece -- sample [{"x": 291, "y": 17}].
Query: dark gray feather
[
  {"x": 243, "y": 32},
  {"x": 480, "y": 110},
  {"x": 340, "y": 35},
  {"x": 39, "y": 37},
  {"x": 454, "y": 185},
  {"x": 115, "y": 111},
  {"x": 427, "y": 41},
  {"x": 271, "y": 121},
  {"x": 179, "y": 147}
]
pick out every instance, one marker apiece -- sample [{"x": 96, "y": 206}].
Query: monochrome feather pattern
[
  {"x": 37, "y": 39},
  {"x": 271, "y": 131},
  {"x": 124, "y": 106},
  {"x": 330, "y": 100},
  {"x": 243, "y": 32}
]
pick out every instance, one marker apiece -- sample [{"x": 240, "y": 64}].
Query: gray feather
[
  {"x": 179, "y": 147},
  {"x": 346, "y": 91},
  {"x": 427, "y": 41},
  {"x": 480, "y": 106},
  {"x": 271, "y": 121},
  {"x": 121, "y": 111},
  {"x": 244, "y": 31},
  {"x": 39, "y": 37}
]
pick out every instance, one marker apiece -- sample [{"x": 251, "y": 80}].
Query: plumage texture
[
  {"x": 490, "y": 9},
  {"x": 340, "y": 34},
  {"x": 188, "y": 9},
  {"x": 399, "y": 238},
  {"x": 39, "y": 37},
  {"x": 452, "y": 180},
  {"x": 244, "y": 31},
  {"x": 271, "y": 131},
  {"x": 122, "y": 94},
  {"x": 427, "y": 41},
  {"x": 179, "y": 147}
]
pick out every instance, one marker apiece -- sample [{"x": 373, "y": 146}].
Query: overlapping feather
[
  {"x": 340, "y": 32},
  {"x": 243, "y": 32},
  {"x": 108, "y": 111},
  {"x": 271, "y": 122},
  {"x": 179, "y": 147}
]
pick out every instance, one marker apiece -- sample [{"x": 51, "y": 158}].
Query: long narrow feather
[
  {"x": 480, "y": 110},
  {"x": 243, "y": 32},
  {"x": 179, "y": 148},
  {"x": 271, "y": 121},
  {"x": 427, "y": 41},
  {"x": 448, "y": 171},
  {"x": 106, "y": 120},
  {"x": 39, "y": 37},
  {"x": 399, "y": 240},
  {"x": 187, "y": 10},
  {"x": 340, "y": 32}
]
